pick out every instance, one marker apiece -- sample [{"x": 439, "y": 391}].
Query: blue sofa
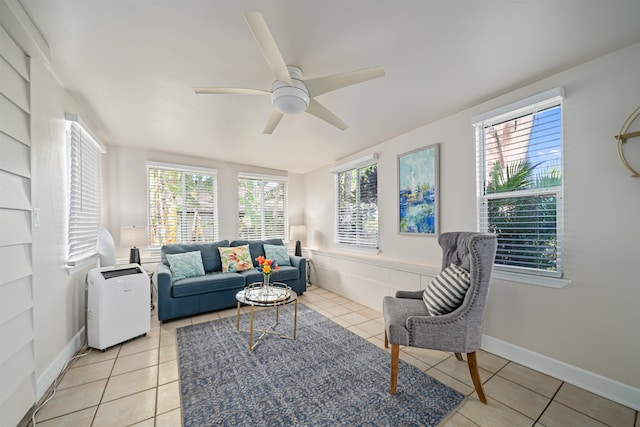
[{"x": 217, "y": 290}]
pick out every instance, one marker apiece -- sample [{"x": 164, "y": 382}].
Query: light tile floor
[{"x": 136, "y": 383}]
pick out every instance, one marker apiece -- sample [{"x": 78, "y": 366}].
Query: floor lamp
[{"x": 297, "y": 233}]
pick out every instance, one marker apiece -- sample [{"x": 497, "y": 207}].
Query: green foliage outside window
[
  {"x": 357, "y": 216},
  {"x": 526, "y": 225},
  {"x": 181, "y": 207}
]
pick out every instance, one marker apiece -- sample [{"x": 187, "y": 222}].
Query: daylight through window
[
  {"x": 357, "y": 205},
  {"x": 520, "y": 186},
  {"x": 262, "y": 207},
  {"x": 85, "y": 193},
  {"x": 182, "y": 205}
]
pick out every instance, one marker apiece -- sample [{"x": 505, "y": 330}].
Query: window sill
[
  {"x": 144, "y": 259},
  {"x": 82, "y": 265},
  {"x": 548, "y": 282},
  {"x": 357, "y": 249}
]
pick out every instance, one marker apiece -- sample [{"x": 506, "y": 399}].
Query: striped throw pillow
[{"x": 446, "y": 291}]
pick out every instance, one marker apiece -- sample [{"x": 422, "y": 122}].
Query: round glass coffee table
[{"x": 277, "y": 295}]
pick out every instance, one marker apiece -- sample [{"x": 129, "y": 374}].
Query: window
[
  {"x": 262, "y": 207},
  {"x": 182, "y": 204},
  {"x": 519, "y": 153},
  {"x": 85, "y": 193},
  {"x": 357, "y": 203}
]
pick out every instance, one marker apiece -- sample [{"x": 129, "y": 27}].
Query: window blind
[
  {"x": 182, "y": 205},
  {"x": 357, "y": 206},
  {"x": 520, "y": 187},
  {"x": 262, "y": 208},
  {"x": 85, "y": 193}
]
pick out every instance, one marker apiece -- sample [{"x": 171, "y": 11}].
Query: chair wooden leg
[
  {"x": 386, "y": 339},
  {"x": 395, "y": 355},
  {"x": 459, "y": 357},
  {"x": 475, "y": 376}
]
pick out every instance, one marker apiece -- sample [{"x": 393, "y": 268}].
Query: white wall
[
  {"x": 591, "y": 324},
  {"x": 58, "y": 296}
]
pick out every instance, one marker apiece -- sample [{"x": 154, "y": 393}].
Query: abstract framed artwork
[{"x": 418, "y": 182}]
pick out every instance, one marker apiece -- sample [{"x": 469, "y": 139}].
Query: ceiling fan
[{"x": 290, "y": 94}]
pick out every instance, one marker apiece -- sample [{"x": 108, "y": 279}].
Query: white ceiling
[{"x": 132, "y": 64}]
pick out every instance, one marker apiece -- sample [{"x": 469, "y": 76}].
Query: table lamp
[
  {"x": 297, "y": 233},
  {"x": 133, "y": 237}
]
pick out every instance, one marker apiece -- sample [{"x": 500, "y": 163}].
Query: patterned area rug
[{"x": 328, "y": 376}]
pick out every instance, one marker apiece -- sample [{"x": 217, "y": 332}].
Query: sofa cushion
[
  {"x": 209, "y": 252},
  {"x": 285, "y": 273},
  {"x": 235, "y": 259},
  {"x": 446, "y": 291},
  {"x": 211, "y": 282},
  {"x": 256, "y": 247},
  {"x": 186, "y": 264}
]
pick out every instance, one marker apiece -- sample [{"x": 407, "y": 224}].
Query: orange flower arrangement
[{"x": 267, "y": 266}]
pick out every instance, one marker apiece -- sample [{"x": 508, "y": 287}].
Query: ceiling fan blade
[
  {"x": 268, "y": 46},
  {"x": 326, "y": 84},
  {"x": 316, "y": 109},
  {"x": 273, "y": 121},
  {"x": 229, "y": 91}
]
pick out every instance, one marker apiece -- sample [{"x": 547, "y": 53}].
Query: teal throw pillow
[
  {"x": 277, "y": 253},
  {"x": 185, "y": 265}
]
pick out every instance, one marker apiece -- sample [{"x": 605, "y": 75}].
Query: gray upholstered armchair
[{"x": 408, "y": 322}]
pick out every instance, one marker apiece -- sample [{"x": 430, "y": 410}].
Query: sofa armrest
[
  {"x": 410, "y": 294},
  {"x": 296, "y": 260},
  {"x": 300, "y": 263},
  {"x": 164, "y": 285}
]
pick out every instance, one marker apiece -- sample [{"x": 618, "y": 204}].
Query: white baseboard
[
  {"x": 595, "y": 383},
  {"x": 47, "y": 378}
]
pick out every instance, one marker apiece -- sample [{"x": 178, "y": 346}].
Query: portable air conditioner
[{"x": 118, "y": 306}]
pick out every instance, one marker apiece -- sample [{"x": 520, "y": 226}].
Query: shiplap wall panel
[
  {"x": 17, "y": 353},
  {"x": 13, "y": 407},
  {"x": 15, "y": 370},
  {"x": 16, "y": 191},
  {"x": 16, "y": 156},
  {"x": 15, "y": 263},
  {"x": 15, "y": 298},
  {"x": 15, "y": 227},
  {"x": 15, "y": 334},
  {"x": 13, "y": 86},
  {"x": 14, "y": 55},
  {"x": 13, "y": 120}
]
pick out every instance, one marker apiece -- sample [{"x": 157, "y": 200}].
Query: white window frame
[
  {"x": 526, "y": 106},
  {"x": 84, "y": 194},
  {"x": 184, "y": 169},
  {"x": 265, "y": 180},
  {"x": 361, "y": 245}
]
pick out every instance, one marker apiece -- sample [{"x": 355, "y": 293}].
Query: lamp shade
[
  {"x": 298, "y": 232},
  {"x": 133, "y": 236}
]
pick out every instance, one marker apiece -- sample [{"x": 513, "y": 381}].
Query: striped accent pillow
[{"x": 446, "y": 291}]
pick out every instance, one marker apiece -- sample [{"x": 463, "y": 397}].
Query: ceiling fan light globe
[{"x": 290, "y": 100}]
